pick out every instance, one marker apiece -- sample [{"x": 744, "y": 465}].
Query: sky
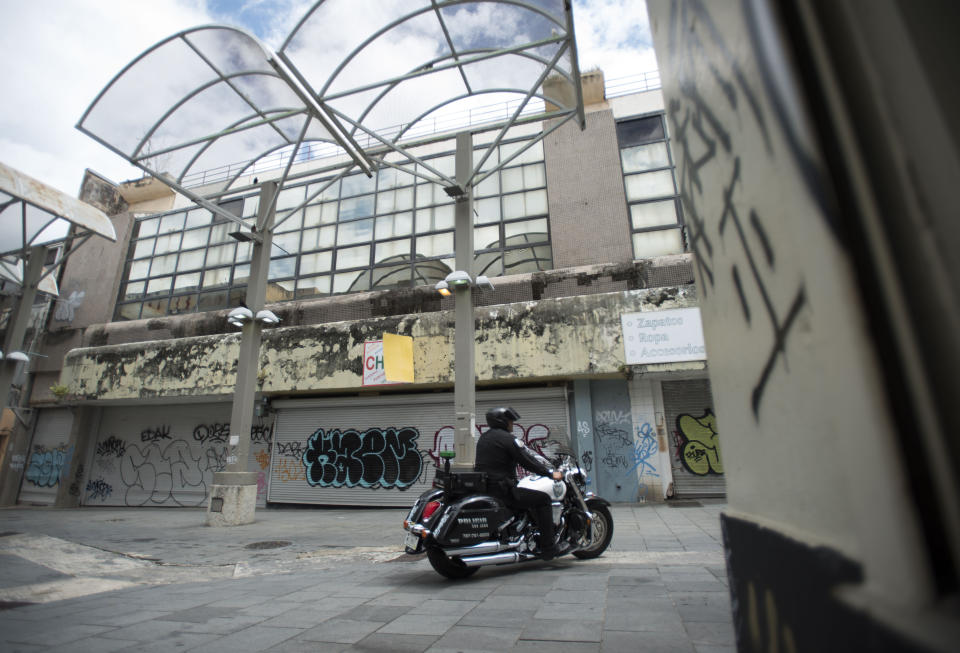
[{"x": 58, "y": 54}]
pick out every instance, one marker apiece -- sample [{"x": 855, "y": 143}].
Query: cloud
[{"x": 59, "y": 54}]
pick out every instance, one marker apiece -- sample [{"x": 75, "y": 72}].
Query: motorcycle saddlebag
[{"x": 472, "y": 521}]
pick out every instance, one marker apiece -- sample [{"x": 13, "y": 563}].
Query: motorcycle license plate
[{"x": 411, "y": 542}]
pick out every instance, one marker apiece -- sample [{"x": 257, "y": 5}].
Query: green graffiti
[{"x": 700, "y": 452}]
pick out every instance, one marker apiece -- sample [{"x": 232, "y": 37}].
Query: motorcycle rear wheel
[
  {"x": 602, "y": 532},
  {"x": 447, "y": 567}
]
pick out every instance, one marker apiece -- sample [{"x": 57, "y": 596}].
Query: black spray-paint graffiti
[
  {"x": 169, "y": 475},
  {"x": 167, "y": 470},
  {"x": 112, "y": 446},
  {"x": 384, "y": 458},
  {"x": 702, "y": 137},
  {"x": 46, "y": 465},
  {"x": 261, "y": 433},
  {"x": 74, "y": 489},
  {"x": 587, "y": 459},
  {"x": 613, "y": 435},
  {"x": 98, "y": 489},
  {"x": 154, "y": 435},
  {"x": 291, "y": 449},
  {"x": 204, "y": 433}
]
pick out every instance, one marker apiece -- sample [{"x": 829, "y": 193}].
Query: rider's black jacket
[{"x": 499, "y": 453}]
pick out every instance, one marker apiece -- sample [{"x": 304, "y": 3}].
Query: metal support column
[
  {"x": 233, "y": 497},
  {"x": 20, "y": 320},
  {"x": 464, "y": 377}
]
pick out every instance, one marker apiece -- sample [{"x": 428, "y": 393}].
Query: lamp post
[
  {"x": 233, "y": 497},
  {"x": 464, "y": 366}
]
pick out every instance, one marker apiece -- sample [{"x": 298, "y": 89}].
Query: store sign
[
  {"x": 663, "y": 336},
  {"x": 373, "y": 370}
]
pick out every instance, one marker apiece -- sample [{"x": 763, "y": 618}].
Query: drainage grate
[{"x": 273, "y": 544}]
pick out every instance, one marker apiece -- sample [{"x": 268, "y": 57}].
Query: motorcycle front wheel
[
  {"x": 447, "y": 567},
  {"x": 602, "y": 534}
]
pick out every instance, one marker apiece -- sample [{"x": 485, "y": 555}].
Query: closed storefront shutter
[
  {"x": 381, "y": 451},
  {"x": 49, "y": 457},
  {"x": 166, "y": 455},
  {"x": 695, "y": 448}
]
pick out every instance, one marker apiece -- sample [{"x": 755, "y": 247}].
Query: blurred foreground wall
[{"x": 815, "y": 143}]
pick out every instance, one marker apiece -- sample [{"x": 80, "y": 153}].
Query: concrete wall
[
  {"x": 815, "y": 469},
  {"x": 529, "y": 341},
  {"x": 588, "y": 206}
]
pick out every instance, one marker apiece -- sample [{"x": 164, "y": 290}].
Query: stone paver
[{"x": 661, "y": 586}]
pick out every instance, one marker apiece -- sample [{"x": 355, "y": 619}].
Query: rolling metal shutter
[
  {"x": 166, "y": 455},
  {"x": 380, "y": 451},
  {"x": 695, "y": 449},
  {"x": 49, "y": 457}
]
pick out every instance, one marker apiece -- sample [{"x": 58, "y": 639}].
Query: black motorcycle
[{"x": 462, "y": 528}]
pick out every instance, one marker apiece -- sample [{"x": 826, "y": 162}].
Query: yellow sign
[{"x": 398, "y": 358}]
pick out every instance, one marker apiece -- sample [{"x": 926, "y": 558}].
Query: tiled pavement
[{"x": 661, "y": 587}]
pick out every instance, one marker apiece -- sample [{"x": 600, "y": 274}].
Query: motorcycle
[{"x": 462, "y": 528}]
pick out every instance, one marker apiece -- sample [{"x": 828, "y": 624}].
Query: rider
[{"x": 498, "y": 454}]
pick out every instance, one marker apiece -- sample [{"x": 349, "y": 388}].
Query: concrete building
[{"x": 591, "y": 333}]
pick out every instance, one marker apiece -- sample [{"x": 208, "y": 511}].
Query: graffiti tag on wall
[
  {"x": 47, "y": 464},
  {"x": 384, "y": 458},
  {"x": 698, "y": 445},
  {"x": 707, "y": 144}
]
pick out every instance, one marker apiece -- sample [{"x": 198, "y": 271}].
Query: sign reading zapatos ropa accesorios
[{"x": 663, "y": 336}]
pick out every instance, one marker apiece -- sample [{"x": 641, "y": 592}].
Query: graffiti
[
  {"x": 204, "y": 433},
  {"x": 583, "y": 428},
  {"x": 74, "y": 489},
  {"x": 157, "y": 476},
  {"x": 261, "y": 484},
  {"x": 17, "y": 461},
  {"x": 613, "y": 436},
  {"x": 287, "y": 470},
  {"x": 261, "y": 433},
  {"x": 262, "y": 458},
  {"x": 375, "y": 458},
  {"x": 98, "y": 489},
  {"x": 112, "y": 446},
  {"x": 587, "y": 459},
  {"x": 615, "y": 460},
  {"x": 154, "y": 435},
  {"x": 612, "y": 417},
  {"x": 702, "y": 135},
  {"x": 698, "y": 444},
  {"x": 46, "y": 465},
  {"x": 291, "y": 449},
  {"x": 216, "y": 459},
  {"x": 645, "y": 448}
]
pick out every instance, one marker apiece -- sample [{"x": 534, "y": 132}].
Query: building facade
[{"x": 582, "y": 236}]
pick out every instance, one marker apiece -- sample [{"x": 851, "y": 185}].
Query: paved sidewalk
[{"x": 145, "y": 579}]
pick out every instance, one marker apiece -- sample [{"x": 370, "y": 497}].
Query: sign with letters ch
[{"x": 663, "y": 336}]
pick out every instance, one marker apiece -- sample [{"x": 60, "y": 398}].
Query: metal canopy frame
[
  {"x": 304, "y": 94},
  {"x": 33, "y": 214}
]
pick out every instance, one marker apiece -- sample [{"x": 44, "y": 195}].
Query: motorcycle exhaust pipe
[
  {"x": 484, "y": 548},
  {"x": 495, "y": 559}
]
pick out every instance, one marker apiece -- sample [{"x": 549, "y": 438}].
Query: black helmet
[{"x": 498, "y": 418}]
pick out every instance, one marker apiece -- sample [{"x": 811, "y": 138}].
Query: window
[
  {"x": 343, "y": 235},
  {"x": 656, "y": 223}
]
